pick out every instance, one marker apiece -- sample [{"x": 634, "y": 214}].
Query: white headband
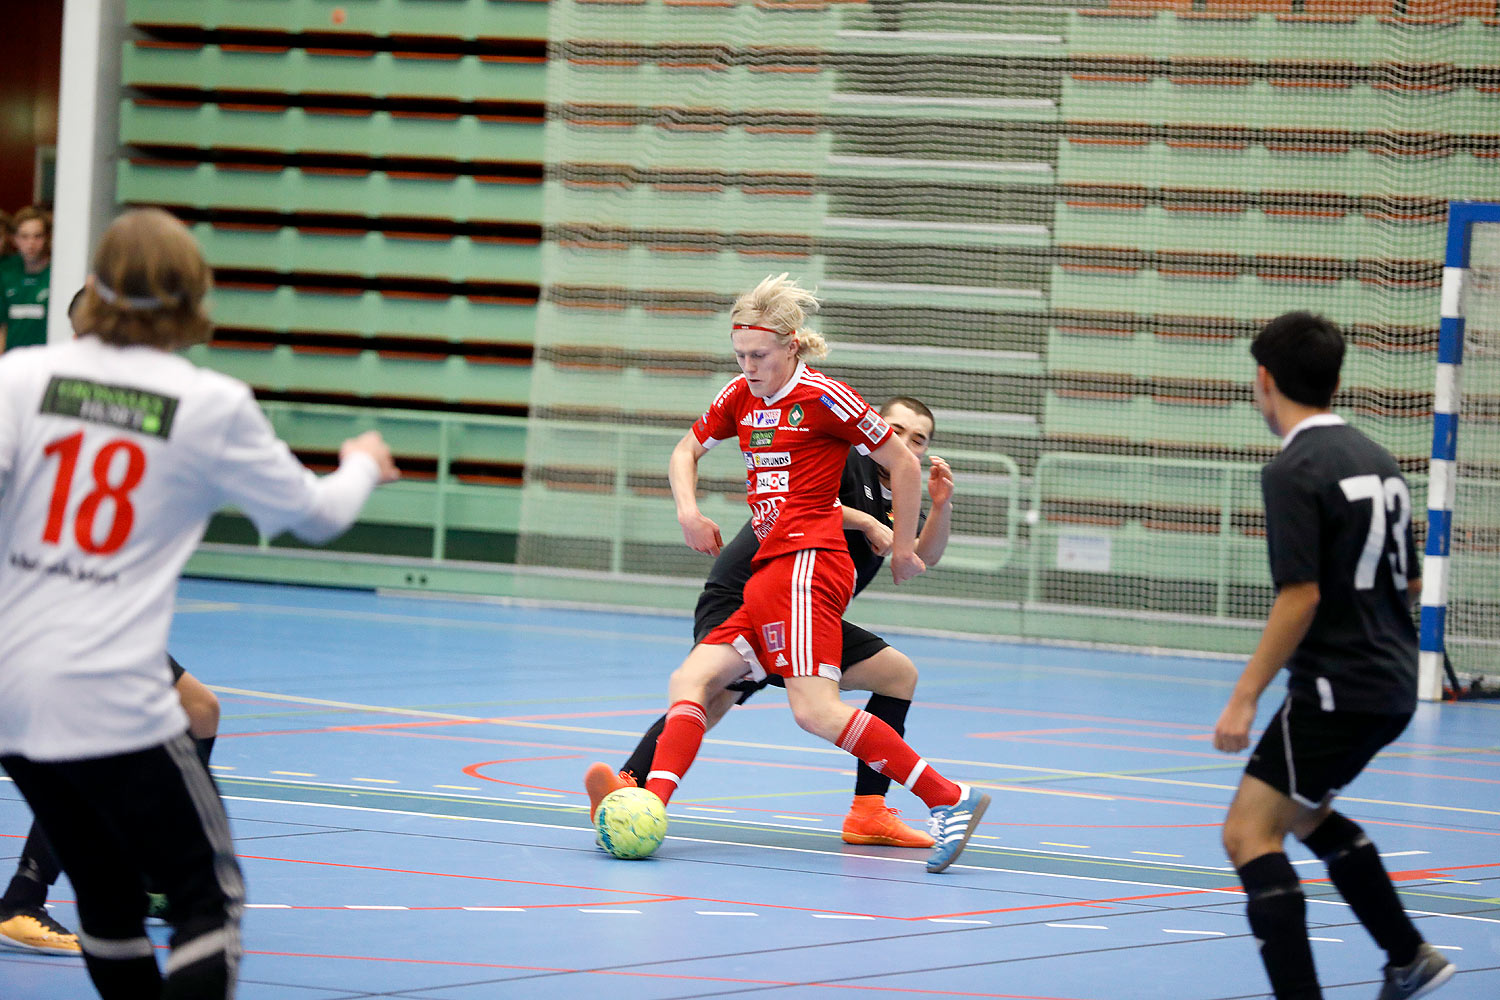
[{"x": 114, "y": 298}]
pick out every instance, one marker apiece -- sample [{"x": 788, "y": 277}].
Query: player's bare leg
[
  {"x": 1255, "y": 829},
  {"x": 697, "y": 683}
]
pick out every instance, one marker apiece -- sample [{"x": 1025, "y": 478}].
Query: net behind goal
[{"x": 1057, "y": 225}]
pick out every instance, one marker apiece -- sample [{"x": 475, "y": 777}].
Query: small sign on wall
[{"x": 1084, "y": 553}]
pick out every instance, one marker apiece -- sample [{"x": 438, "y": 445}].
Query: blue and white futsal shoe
[{"x": 951, "y": 826}]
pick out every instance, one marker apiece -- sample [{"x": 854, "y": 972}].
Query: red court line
[
  {"x": 1105, "y": 746},
  {"x": 1431, "y": 777},
  {"x": 1097, "y": 903},
  {"x": 1038, "y": 714},
  {"x": 645, "y": 897},
  {"x": 863, "y": 987}
]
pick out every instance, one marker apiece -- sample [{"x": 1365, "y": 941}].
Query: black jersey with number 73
[{"x": 1338, "y": 512}]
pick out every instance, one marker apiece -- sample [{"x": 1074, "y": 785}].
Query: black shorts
[
  {"x": 177, "y": 670},
  {"x": 859, "y": 644},
  {"x": 1309, "y": 755}
]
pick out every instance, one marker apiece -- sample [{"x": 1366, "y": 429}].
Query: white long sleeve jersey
[{"x": 111, "y": 462}]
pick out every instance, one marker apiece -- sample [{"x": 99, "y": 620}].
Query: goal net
[{"x": 1057, "y": 225}]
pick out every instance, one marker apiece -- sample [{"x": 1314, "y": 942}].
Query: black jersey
[
  {"x": 1338, "y": 513},
  {"x": 861, "y": 489}
]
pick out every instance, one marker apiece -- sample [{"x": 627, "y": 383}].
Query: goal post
[{"x": 1459, "y": 295}]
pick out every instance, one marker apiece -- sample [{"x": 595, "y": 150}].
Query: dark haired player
[
  {"x": 1338, "y": 526},
  {"x": 869, "y": 662}
]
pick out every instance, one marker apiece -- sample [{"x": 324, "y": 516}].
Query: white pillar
[{"x": 88, "y": 128}]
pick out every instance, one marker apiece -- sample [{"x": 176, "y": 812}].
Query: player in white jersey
[{"x": 113, "y": 455}]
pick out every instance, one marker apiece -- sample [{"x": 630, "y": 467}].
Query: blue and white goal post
[{"x": 1442, "y": 482}]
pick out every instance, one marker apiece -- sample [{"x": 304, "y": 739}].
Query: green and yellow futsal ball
[{"x": 631, "y": 823}]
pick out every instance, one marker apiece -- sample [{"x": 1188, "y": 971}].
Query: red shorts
[{"x": 790, "y": 623}]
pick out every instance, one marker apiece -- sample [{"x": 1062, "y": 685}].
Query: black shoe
[{"x": 1421, "y": 976}]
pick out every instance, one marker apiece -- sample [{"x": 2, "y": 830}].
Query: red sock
[
  {"x": 676, "y": 748},
  {"x": 881, "y": 747}
]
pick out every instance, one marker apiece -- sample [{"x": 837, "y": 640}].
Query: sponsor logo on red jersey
[
  {"x": 772, "y": 482},
  {"x": 763, "y": 514}
]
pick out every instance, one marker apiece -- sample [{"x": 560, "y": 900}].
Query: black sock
[
  {"x": 36, "y": 870},
  {"x": 124, "y": 979},
  {"x": 1278, "y": 917},
  {"x": 639, "y": 763},
  {"x": 1355, "y": 868},
  {"x": 891, "y": 711}
]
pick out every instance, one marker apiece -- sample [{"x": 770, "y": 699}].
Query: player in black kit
[
  {"x": 869, "y": 662},
  {"x": 1338, "y": 527}
]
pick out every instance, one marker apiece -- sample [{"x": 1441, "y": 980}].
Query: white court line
[
  {"x": 725, "y": 913},
  {"x": 951, "y": 762},
  {"x": 1331, "y": 940},
  {"x": 1080, "y": 927},
  {"x": 821, "y": 853},
  {"x": 635, "y": 912},
  {"x": 1170, "y": 930}
]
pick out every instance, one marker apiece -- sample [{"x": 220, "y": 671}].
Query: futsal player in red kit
[{"x": 795, "y": 426}]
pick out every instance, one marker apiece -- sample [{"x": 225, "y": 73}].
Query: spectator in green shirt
[{"x": 25, "y": 280}]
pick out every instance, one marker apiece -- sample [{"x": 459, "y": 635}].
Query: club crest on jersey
[
  {"x": 774, "y": 635},
  {"x": 794, "y": 415},
  {"x": 873, "y": 427},
  {"x": 832, "y": 404},
  {"x": 772, "y": 482},
  {"x": 765, "y": 418},
  {"x": 762, "y": 439}
]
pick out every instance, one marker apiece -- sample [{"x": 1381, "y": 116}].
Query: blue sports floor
[{"x": 403, "y": 777}]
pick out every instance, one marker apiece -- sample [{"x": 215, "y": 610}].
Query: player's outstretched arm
[
  {"x": 255, "y": 471},
  {"x": 699, "y": 532},
  {"x": 933, "y": 541},
  {"x": 906, "y": 499},
  {"x": 1290, "y": 618}
]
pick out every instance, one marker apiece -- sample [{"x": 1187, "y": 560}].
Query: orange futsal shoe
[
  {"x": 871, "y": 821},
  {"x": 599, "y": 781}
]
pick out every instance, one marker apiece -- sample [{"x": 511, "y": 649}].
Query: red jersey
[{"x": 795, "y": 445}]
